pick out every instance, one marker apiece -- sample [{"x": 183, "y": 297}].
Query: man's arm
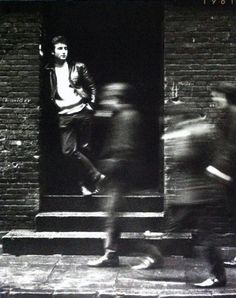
[{"x": 89, "y": 82}]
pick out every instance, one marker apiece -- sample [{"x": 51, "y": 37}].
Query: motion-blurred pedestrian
[{"x": 121, "y": 160}]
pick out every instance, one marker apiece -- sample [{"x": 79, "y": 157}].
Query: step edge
[
  {"x": 32, "y": 234},
  {"x": 94, "y": 214},
  {"x": 102, "y": 196}
]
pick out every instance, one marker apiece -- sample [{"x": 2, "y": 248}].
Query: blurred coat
[
  {"x": 190, "y": 148},
  {"x": 122, "y": 154},
  {"x": 224, "y": 159}
]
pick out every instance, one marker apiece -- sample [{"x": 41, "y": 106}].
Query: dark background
[{"x": 118, "y": 41}]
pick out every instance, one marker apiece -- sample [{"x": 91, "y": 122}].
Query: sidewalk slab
[{"x": 69, "y": 276}]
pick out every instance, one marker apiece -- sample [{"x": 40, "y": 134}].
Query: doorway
[{"x": 118, "y": 41}]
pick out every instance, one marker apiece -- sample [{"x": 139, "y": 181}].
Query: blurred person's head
[
  {"x": 224, "y": 94},
  {"x": 177, "y": 113},
  {"x": 115, "y": 96},
  {"x": 59, "y": 48}
]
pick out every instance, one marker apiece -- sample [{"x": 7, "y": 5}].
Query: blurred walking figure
[
  {"x": 191, "y": 143},
  {"x": 223, "y": 166},
  {"x": 205, "y": 160},
  {"x": 121, "y": 159}
]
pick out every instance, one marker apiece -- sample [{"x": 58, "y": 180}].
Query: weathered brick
[
  {"x": 19, "y": 114},
  {"x": 199, "y": 52}
]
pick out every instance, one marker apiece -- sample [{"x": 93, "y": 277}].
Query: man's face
[
  {"x": 60, "y": 51},
  {"x": 219, "y": 99}
]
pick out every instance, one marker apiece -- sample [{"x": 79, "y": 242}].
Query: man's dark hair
[
  {"x": 228, "y": 89},
  {"x": 58, "y": 39}
]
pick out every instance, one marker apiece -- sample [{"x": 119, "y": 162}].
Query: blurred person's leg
[
  {"x": 115, "y": 191},
  {"x": 212, "y": 254},
  {"x": 232, "y": 220},
  {"x": 177, "y": 218}
]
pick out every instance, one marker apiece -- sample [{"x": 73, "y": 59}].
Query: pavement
[{"x": 69, "y": 276}]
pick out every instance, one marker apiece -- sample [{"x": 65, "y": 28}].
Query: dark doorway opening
[{"x": 118, "y": 41}]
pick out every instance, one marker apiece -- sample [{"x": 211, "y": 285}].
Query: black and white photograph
[{"x": 118, "y": 148}]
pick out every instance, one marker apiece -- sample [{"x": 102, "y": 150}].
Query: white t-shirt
[{"x": 70, "y": 101}]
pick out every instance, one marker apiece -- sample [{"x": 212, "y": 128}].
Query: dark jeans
[
  {"x": 75, "y": 133},
  {"x": 182, "y": 217},
  {"x": 232, "y": 207},
  {"x": 116, "y": 201},
  {"x": 119, "y": 184},
  {"x": 124, "y": 175}
]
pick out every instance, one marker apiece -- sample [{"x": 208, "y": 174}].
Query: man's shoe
[
  {"x": 100, "y": 183},
  {"x": 85, "y": 191},
  {"x": 148, "y": 263},
  {"x": 231, "y": 263},
  {"x": 104, "y": 261},
  {"x": 211, "y": 282}
]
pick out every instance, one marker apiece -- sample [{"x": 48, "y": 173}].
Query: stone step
[
  {"x": 95, "y": 221},
  {"x": 136, "y": 202},
  {"x": 21, "y": 242}
]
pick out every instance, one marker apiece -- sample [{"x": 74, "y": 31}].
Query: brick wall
[
  {"x": 19, "y": 115},
  {"x": 200, "y": 50}
]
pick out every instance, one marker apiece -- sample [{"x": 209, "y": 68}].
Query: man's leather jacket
[{"x": 79, "y": 78}]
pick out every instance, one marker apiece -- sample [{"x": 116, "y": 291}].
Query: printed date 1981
[{"x": 219, "y": 2}]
